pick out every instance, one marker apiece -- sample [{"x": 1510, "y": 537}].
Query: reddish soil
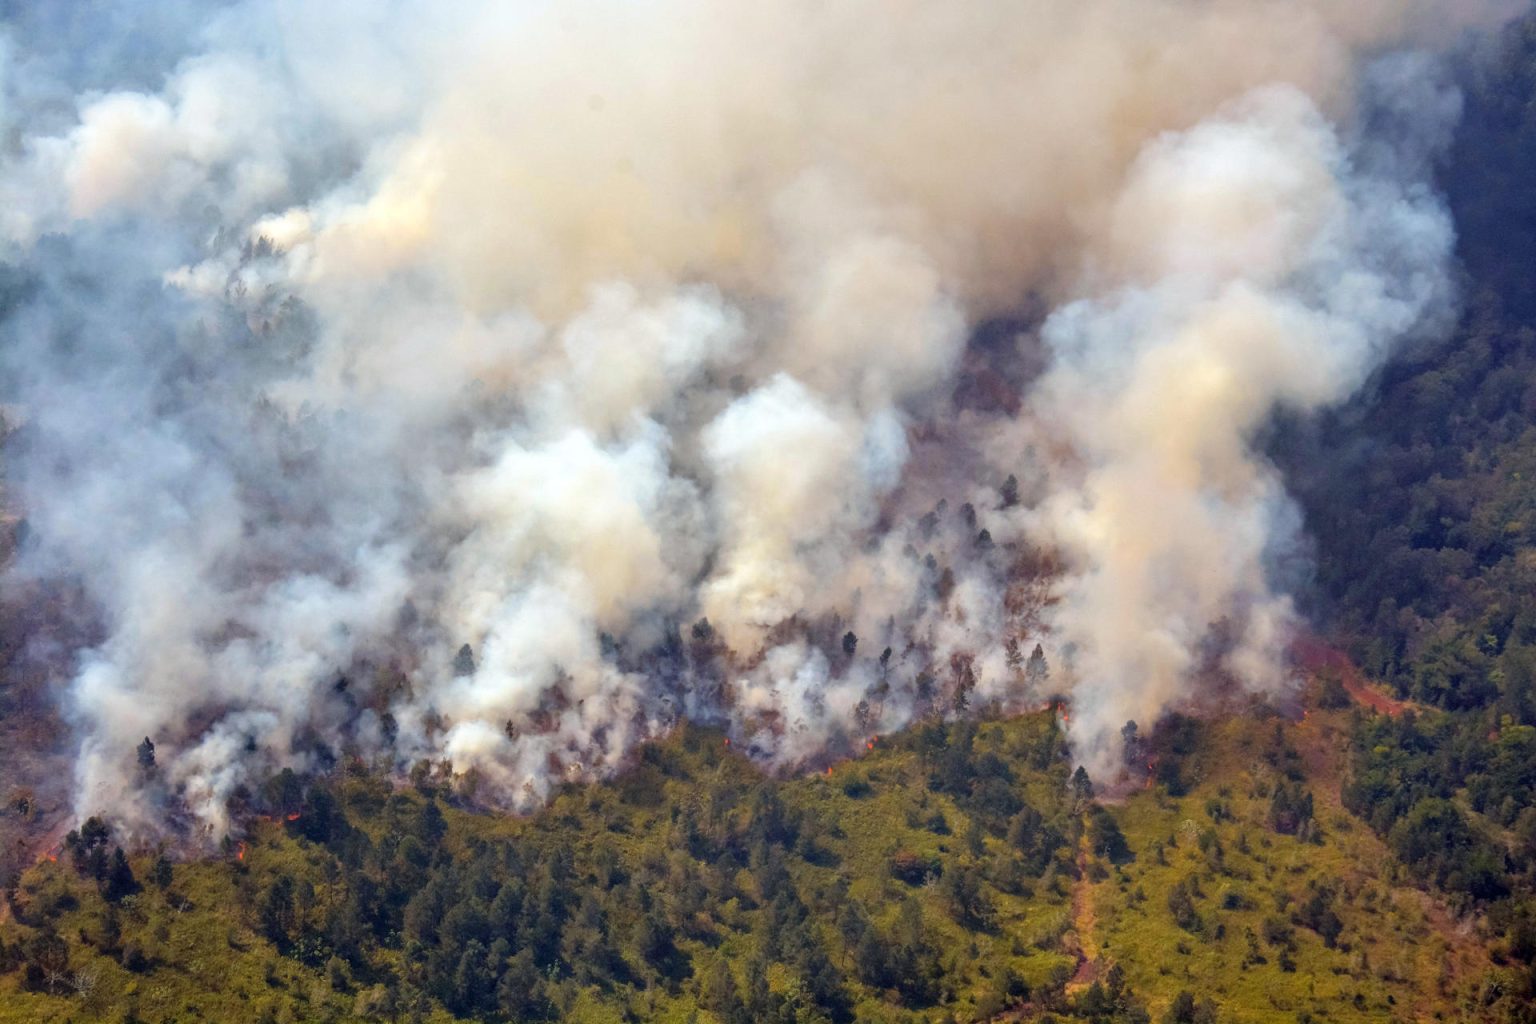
[
  {"x": 1320, "y": 738},
  {"x": 1084, "y": 921},
  {"x": 1316, "y": 656}
]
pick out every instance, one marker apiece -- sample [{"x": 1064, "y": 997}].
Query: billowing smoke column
[
  {"x": 635, "y": 348},
  {"x": 1248, "y": 262}
]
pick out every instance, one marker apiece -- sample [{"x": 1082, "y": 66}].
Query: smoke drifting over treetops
[{"x": 626, "y": 344}]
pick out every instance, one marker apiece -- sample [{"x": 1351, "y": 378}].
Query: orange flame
[
  {"x": 294, "y": 816},
  {"x": 240, "y": 853}
]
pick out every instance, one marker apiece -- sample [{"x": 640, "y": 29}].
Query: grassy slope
[{"x": 1397, "y": 957}]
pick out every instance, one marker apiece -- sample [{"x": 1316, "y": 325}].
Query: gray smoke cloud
[{"x": 631, "y": 345}]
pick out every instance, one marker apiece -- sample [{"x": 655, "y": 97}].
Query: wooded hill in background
[{"x": 1421, "y": 500}]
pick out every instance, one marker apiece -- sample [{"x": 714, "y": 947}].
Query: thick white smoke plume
[
  {"x": 1246, "y": 265},
  {"x": 673, "y": 358}
]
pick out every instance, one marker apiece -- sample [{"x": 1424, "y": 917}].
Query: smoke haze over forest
[{"x": 675, "y": 358}]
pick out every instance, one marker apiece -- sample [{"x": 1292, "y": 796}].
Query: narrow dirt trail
[{"x": 1084, "y": 923}]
